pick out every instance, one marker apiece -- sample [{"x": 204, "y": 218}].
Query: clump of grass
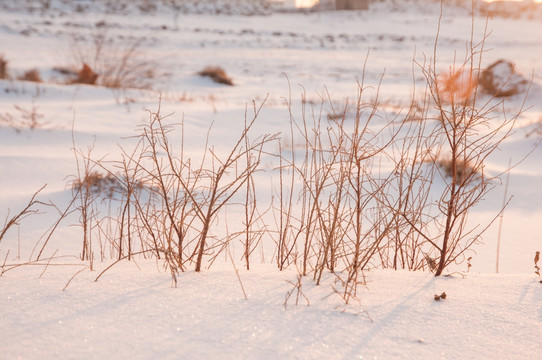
[
  {"x": 86, "y": 76},
  {"x": 99, "y": 184},
  {"x": 463, "y": 169},
  {"x": 31, "y": 75},
  {"x": 3, "y": 67},
  {"x": 105, "y": 184},
  {"x": 113, "y": 63},
  {"x": 332, "y": 116},
  {"x": 457, "y": 86},
  {"x": 217, "y": 74}
]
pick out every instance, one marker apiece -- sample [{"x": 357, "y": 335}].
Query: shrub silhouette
[
  {"x": 217, "y": 74},
  {"x": 86, "y": 76}
]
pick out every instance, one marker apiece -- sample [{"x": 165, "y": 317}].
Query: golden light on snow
[
  {"x": 305, "y": 3},
  {"x": 513, "y": 0},
  {"x": 310, "y": 3}
]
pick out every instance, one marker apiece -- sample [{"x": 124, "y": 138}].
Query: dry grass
[
  {"x": 29, "y": 209},
  {"x": 173, "y": 216},
  {"x": 31, "y": 75},
  {"x": 86, "y": 76},
  {"x": 336, "y": 209},
  {"x": 463, "y": 171},
  {"x": 110, "y": 63},
  {"x": 457, "y": 85},
  {"x": 105, "y": 185},
  {"x": 25, "y": 118},
  {"x": 3, "y": 67},
  {"x": 217, "y": 74}
]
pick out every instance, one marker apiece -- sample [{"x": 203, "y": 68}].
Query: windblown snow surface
[{"x": 134, "y": 311}]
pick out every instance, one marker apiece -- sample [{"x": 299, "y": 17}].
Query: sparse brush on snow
[
  {"x": 342, "y": 224},
  {"x": 333, "y": 210},
  {"x": 25, "y": 118},
  {"x": 461, "y": 118},
  {"x": 217, "y": 74},
  {"x": 30, "y": 117},
  {"x": 353, "y": 187},
  {"x": 106, "y": 61},
  {"x": 271, "y": 217},
  {"x": 28, "y": 210},
  {"x": 174, "y": 214}
]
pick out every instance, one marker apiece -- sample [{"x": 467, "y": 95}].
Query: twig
[
  {"x": 502, "y": 217},
  {"x": 73, "y": 276},
  {"x": 237, "y": 273},
  {"x": 124, "y": 257},
  {"x": 48, "y": 262}
]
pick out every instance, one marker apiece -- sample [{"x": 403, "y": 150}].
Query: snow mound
[{"x": 501, "y": 79}]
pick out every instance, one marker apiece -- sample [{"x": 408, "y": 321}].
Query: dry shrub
[
  {"x": 97, "y": 183},
  {"x": 31, "y": 75},
  {"x": 459, "y": 131},
  {"x": 332, "y": 116},
  {"x": 217, "y": 74},
  {"x": 28, "y": 210},
  {"x": 26, "y": 118},
  {"x": 457, "y": 86},
  {"x": 464, "y": 169},
  {"x": 3, "y": 67},
  {"x": 86, "y": 76},
  {"x": 110, "y": 63},
  {"x": 334, "y": 208},
  {"x": 417, "y": 111}
]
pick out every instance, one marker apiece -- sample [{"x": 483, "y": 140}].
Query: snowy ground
[{"x": 135, "y": 313}]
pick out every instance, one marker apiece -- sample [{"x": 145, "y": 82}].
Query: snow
[
  {"x": 134, "y": 313},
  {"x": 133, "y": 310}
]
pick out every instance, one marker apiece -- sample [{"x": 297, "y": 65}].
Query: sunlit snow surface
[{"x": 133, "y": 313}]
